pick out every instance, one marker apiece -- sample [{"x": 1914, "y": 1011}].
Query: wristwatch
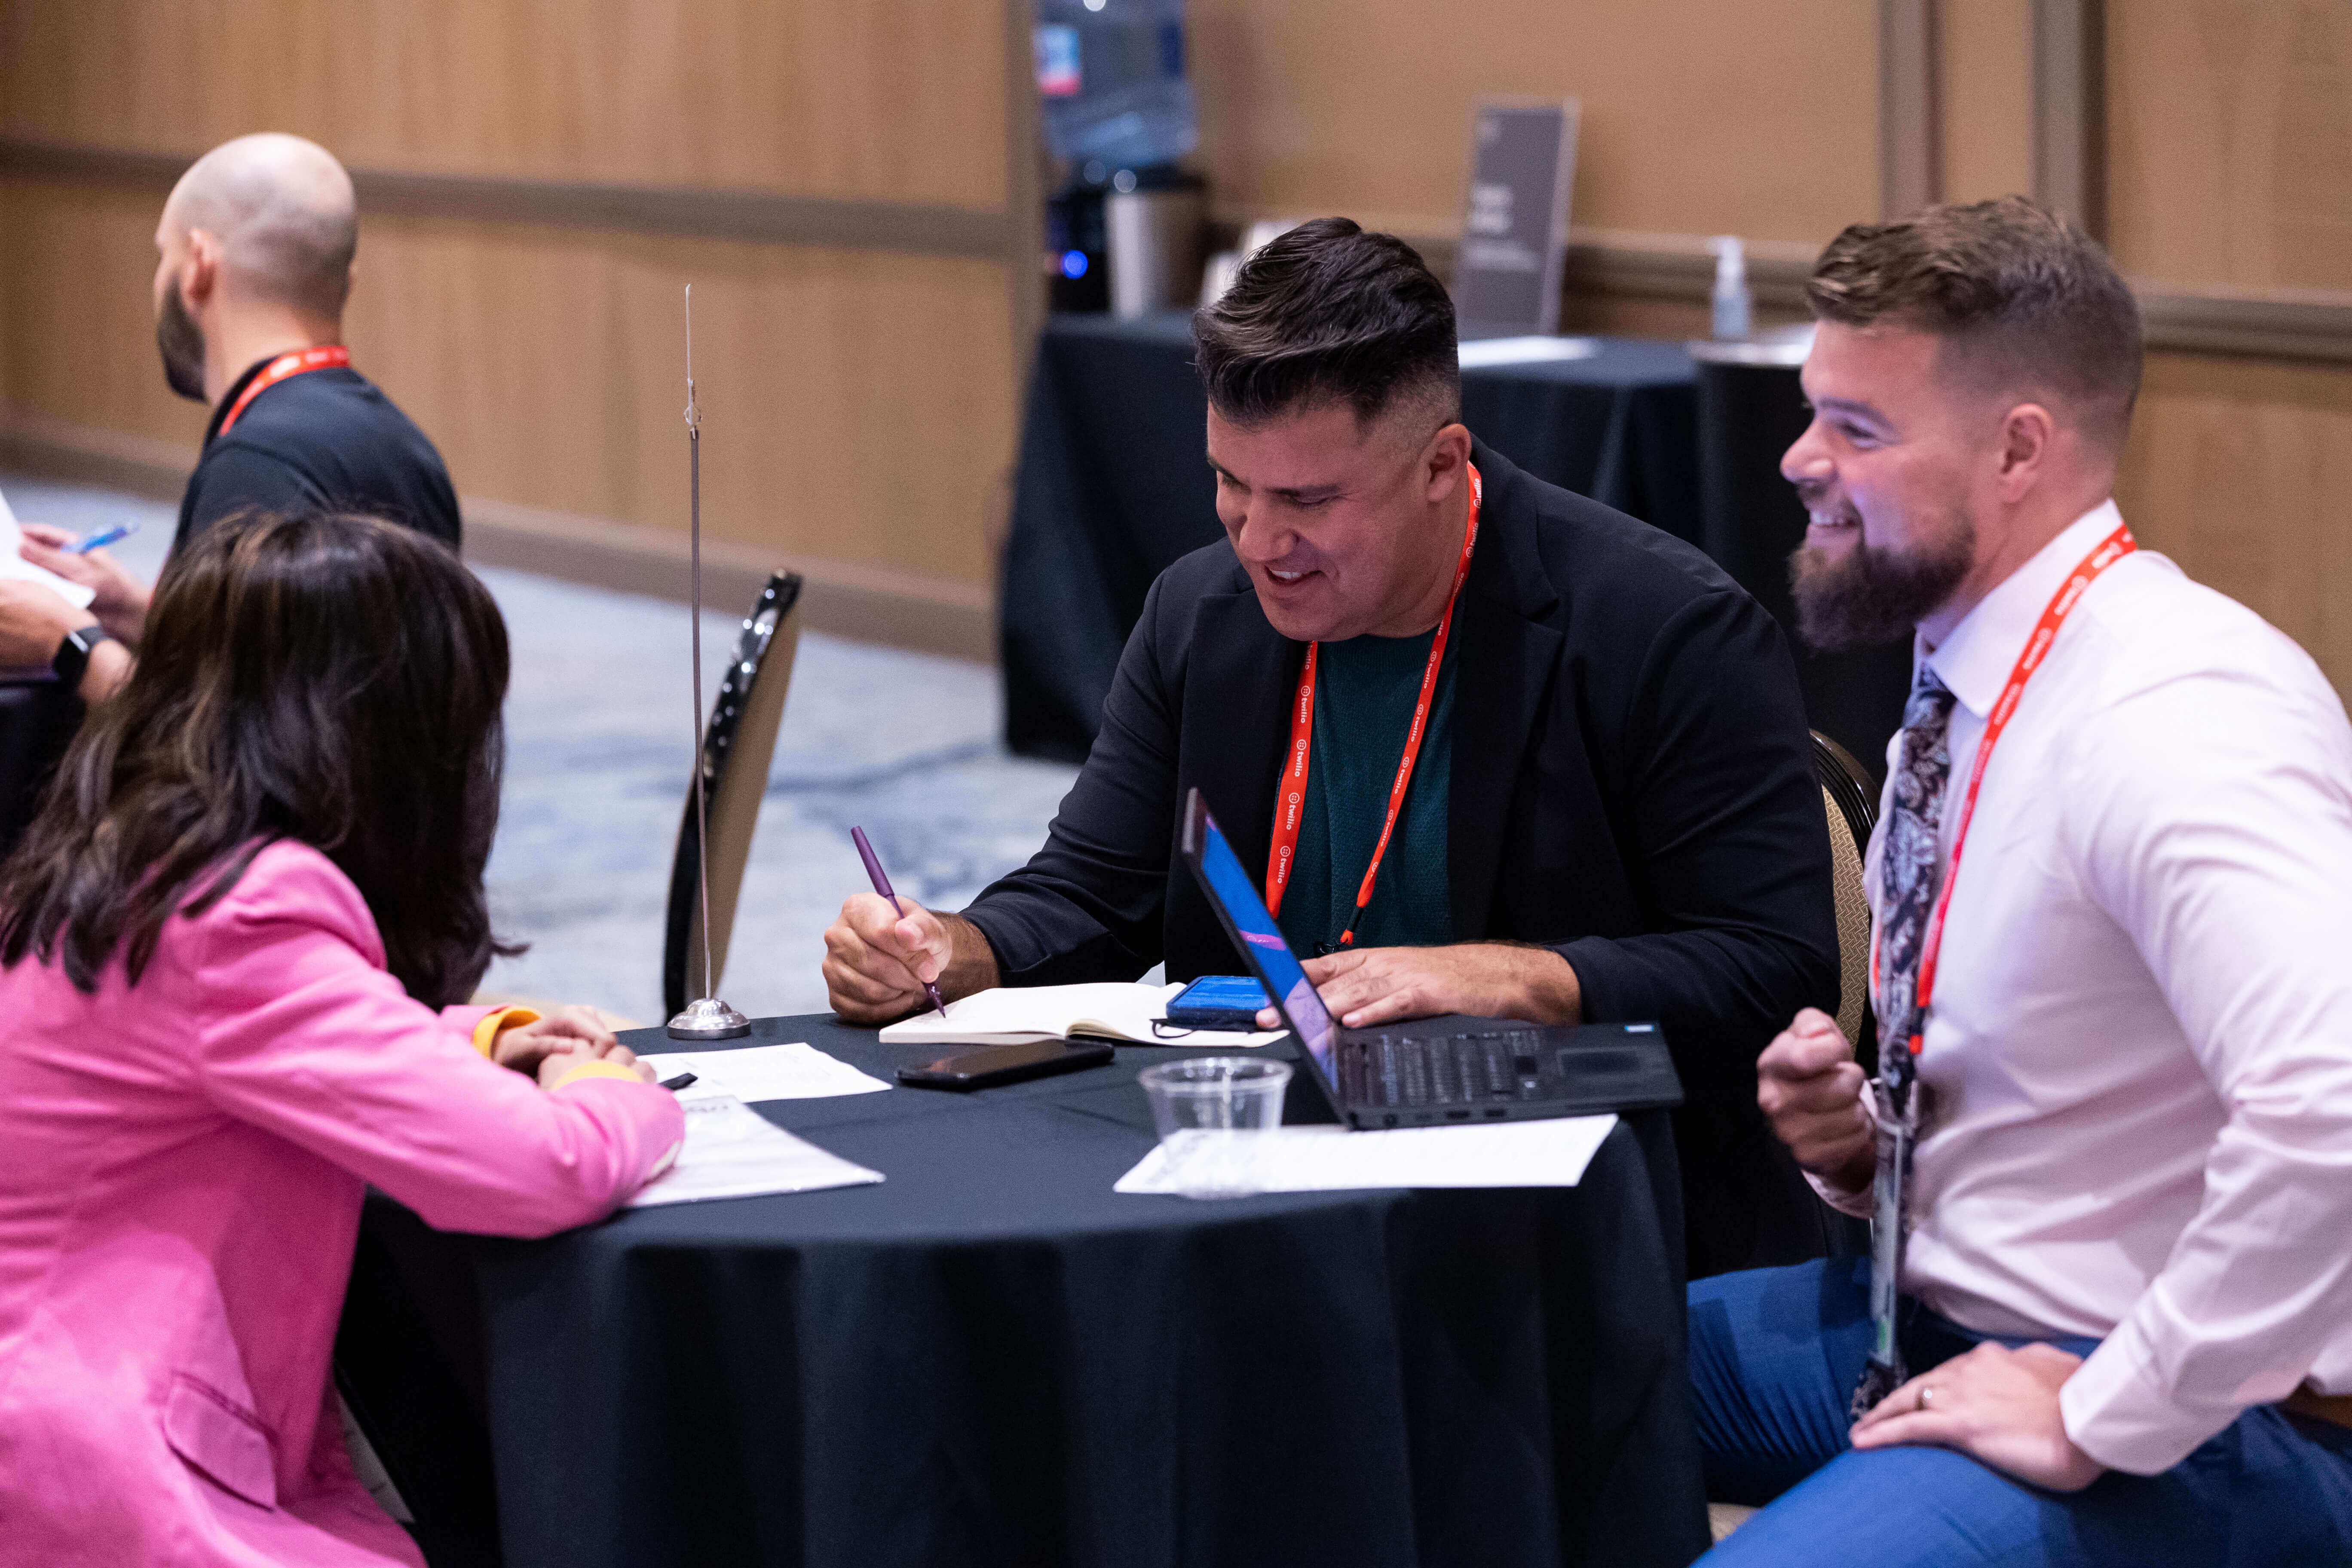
[{"x": 73, "y": 654}]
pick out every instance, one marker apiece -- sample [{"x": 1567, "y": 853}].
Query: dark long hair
[{"x": 325, "y": 678}]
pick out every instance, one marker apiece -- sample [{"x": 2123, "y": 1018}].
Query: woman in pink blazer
[{"x": 228, "y": 949}]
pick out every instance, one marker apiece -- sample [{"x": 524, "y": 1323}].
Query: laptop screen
[{"x": 1231, "y": 888}]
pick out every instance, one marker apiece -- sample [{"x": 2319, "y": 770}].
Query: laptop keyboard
[{"x": 1485, "y": 1067}]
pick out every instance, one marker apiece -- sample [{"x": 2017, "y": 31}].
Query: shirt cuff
[
  {"x": 1863, "y": 1205},
  {"x": 2116, "y": 1410},
  {"x": 598, "y": 1069},
  {"x": 487, "y": 1028}
]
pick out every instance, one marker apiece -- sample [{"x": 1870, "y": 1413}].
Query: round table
[{"x": 992, "y": 1358}]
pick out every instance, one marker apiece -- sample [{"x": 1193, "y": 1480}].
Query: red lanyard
[
  {"x": 1289, "y": 801},
  {"x": 334, "y": 356},
  {"x": 2112, "y": 549}
]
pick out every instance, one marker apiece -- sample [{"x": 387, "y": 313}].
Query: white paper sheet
[
  {"x": 797, "y": 1071},
  {"x": 1016, "y": 1014},
  {"x": 1552, "y": 1153},
  {"x": 14, "y": 565},
  {"x": 1480, "y": 353},
  {"x": 732, "y": 1153}
]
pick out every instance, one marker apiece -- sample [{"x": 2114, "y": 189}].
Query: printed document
[
  {"x": 797, "y": 1071},
  {"x": 731, "y": 1152},
  {"x": 13, "y": 565},
  {"x": 1552, "y": 1153}
]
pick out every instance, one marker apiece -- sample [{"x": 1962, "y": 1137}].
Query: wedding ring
[{"x": 1926, "y": 1395}]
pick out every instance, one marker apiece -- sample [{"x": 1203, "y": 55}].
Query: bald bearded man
[{"x": 255, "y": 252}]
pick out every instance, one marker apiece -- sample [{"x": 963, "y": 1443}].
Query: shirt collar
[
  {"x": 1975, "y": 661},
  {"x": 229, "y": 399}
]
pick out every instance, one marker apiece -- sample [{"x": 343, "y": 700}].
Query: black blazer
[{"x": 1631, "y": 785}]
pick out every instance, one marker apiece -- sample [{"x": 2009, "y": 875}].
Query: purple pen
[{"x": 881, "y": 880}]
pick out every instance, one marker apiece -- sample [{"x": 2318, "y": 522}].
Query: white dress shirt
[{"x": 2138, "y": 1124}]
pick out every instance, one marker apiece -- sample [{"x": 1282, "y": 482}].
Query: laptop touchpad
[{"x": 1597, "y": 1062}]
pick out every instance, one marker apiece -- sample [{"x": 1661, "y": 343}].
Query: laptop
[{"x": 1431, "y": 1071}]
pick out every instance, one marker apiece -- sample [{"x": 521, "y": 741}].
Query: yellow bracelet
[
  {"x": 485, "y": 1032},
  {"x": 598, "y": 1069}
]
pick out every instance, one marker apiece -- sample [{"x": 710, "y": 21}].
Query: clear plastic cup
[{"x": 1207, "y": 1109}]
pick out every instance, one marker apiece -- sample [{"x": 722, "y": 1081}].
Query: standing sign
[{"x": 1515, "y": 236}]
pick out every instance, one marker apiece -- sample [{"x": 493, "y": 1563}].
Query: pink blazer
[{"x": 180, "y": 1169}]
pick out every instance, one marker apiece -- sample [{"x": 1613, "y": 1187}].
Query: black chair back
[{"x": 737, "y": 746}]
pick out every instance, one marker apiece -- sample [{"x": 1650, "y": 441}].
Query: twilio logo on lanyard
[
  {"x": 331, "y": 356},
  {"x": 1290, "y": 800}
]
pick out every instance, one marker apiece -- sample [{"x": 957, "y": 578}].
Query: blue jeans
[{"x": 1774, "y": 1355}]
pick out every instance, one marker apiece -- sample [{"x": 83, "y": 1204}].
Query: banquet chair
[
  {"x": 1850, "y": 798},
  {"x": 737, "y": 744},
  {"x": 1847, "y": 796}
]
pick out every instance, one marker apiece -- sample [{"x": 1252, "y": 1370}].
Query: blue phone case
[{"x": 1219, "y": 1002}]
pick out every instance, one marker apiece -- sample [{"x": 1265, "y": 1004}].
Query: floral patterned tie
[
  {"x": 1912, "y": 872},
  {"x": 1911, "y": 866}
]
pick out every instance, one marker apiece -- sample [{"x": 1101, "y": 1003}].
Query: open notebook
[
  {"x": 15, "y": 567},
  {"x": 1016, "y": 1015}
]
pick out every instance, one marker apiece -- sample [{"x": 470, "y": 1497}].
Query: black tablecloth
[
  {"x": 1113, "y": 487},
  {"x": 992, "y": 1358},
  {"x": 38, "y": 720}
]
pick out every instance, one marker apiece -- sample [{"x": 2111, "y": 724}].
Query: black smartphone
[
  {"x": 1006, "y": 1064},
  {"x": 1219, "y": 1002}
]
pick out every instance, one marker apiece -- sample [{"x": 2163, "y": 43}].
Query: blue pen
[{"x": 101, "y": 539}]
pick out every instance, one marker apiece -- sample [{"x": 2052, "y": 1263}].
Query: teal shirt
[{"x": 1365, "y": 689}]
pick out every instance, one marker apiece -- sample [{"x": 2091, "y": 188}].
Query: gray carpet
[{"x": 599, "y": 745}]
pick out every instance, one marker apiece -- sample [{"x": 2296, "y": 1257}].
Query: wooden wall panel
[
  {"x": 856, "y": 407},
  {"x": 897, "y": 101},
  {"x": 1700, "y": 116},
  {"x": 1985, "y": 89},
  {"x": 2230, "y": 131},
  {"x": 80, "y": 266},
  {"x": 2242, "y": 471}
]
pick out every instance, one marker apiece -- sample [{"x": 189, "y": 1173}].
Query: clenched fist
[{"x": 1809, "y": 1085}]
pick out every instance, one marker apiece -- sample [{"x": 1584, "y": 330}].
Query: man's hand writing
[
  {"x": 120, "y": 602},
  {"x": 1996, "y": 1405},
  {"x": 876, "y": 959}
]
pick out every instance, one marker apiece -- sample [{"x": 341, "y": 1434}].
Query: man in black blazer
[{"x": 1611, "y": 813}]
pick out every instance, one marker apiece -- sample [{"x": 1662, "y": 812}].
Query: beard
[
  {"x": 181, "y": 344},
  {"x": 1868, "y": 595}
]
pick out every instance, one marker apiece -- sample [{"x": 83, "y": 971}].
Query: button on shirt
[{"x": 2139, "y": 1071}]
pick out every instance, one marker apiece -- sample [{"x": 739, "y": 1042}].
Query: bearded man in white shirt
[{"x": 2117, "y": 937}]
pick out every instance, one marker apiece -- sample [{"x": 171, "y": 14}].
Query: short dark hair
[
  {"x": 2029, "y": 301},
  {"x": 1327, "y": 312},
  {"x": 328, "y": 678}
]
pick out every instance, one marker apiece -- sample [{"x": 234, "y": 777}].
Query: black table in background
[
  {"x": 992, "y": 1358},
  {"x": 1113, "y": 487}
]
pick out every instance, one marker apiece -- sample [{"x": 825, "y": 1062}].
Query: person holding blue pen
[
  {"x": 1495, "y": 748},
  {"x": 254, "y": 253},
  {"x": 101, "y": 539}
]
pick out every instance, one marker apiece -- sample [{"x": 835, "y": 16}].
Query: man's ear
[
  {"x": 200, "y": 275},
  {"x": 1445, "y": 461},
  {"x": 2029, "y": 436}
]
